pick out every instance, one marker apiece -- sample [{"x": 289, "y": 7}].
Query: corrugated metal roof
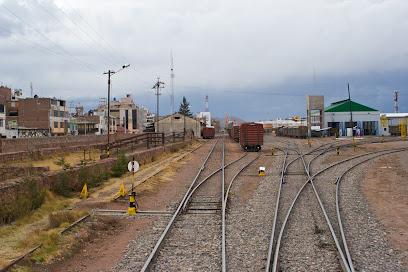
[{"x": 344, "y": 106}]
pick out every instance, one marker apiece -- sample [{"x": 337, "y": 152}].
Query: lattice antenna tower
[
  {"x": 206, "y": 104},
  {"x": 172, "y": 84},
  {"x": 396, "y": 101}
]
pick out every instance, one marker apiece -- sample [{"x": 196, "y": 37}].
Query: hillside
[{"x": 231, "y": 118}]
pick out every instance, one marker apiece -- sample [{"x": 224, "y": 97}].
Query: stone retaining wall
[{"x": 50, "y": 178}]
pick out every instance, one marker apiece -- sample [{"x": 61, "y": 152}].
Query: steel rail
[
  {"x": 209, "y": 176},
  {"x": 275, "y": 261},
  {"x": 156, "y": 248},
  {"x": 290, "y": 209},
  {"x": 159, "y": 171},
  {"x": 224, "y": 206},
  {"x": 337, "y": 200},
  {"x": 275, "y": 217},
  {"x": 224, "y": 258}
]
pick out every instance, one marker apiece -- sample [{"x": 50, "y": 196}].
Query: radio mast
[{"x": 172, "y": 84}]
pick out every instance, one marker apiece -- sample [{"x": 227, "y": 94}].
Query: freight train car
[
  {"x": 235, "y": 133},
  {"x": 294, "y": 132},
  {"x": 251, "y": 136},
  {"x": 208, "y": 132}
]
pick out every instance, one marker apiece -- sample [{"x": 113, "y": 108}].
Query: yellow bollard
[
  {"x": 261, "y": 171},
  {"x": 309, "y": 143},
  {"x": 382, "y": 140},
  {"x": 272, "y": 149},
  {"x": 338, "y": 151},
  {"x": 132, "y": 204}
]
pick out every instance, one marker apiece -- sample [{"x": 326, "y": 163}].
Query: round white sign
[{"x": 135, "y": 166}]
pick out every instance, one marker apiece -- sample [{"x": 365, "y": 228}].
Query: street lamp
[{"x": 109, "y": 73}]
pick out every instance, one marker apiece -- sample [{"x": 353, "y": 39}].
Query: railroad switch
[
  {"x": 133, "y": 207},
  {"x": 261, "y": 171},
  {"x": 338, "y": 151}
]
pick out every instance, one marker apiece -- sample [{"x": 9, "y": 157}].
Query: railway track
[
  {"x": 303, "y": 226},
  {"x": 193, "y": 238}
]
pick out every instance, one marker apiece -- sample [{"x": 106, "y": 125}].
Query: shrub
[
  {"x": 62, "y": 162},
  {"x": 29, "y": 198},
  {"x": 63, "y": 186},
  {"x": 34, "y": 193},
  {"x": 174, "y": 149},
  {"x": 120, "y": 166}
]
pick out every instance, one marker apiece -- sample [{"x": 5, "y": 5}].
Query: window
[
  {"x": 385, "y": 129},
  {"x": 1, "y": 108},
  {"x": 1, "y": 123},
  {"x": 53, "y": 102},
  {"x": 61, "y": 124},
  {"x": 55, "y": 113},
  {"x": 55, "y": 124},
  {"x": 61, "y": 114}
]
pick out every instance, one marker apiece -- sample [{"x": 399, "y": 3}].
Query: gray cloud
[{"x": 267, "y": 47}]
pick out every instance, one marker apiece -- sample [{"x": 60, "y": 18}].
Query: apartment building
[{"x": 51, "y": 115}]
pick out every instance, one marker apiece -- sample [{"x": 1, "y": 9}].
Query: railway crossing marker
[{"x": 133, "y": 167}]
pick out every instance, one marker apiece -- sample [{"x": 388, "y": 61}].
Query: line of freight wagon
[
  {"x": 294, "y": 132},
  {"x": 249, "y": 135}
]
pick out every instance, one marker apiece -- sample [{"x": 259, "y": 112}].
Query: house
[
  {"x": 365, "y": 119},
  {"x": 178, "y": 123}
]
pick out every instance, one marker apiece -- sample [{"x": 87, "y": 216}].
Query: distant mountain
[{"x": 231, "y": 118}]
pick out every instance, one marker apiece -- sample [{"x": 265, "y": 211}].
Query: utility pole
[
  {"x": 158, "y": 86},
  {"x": 109, "y": 73},
  {"x": 351, "y": 113}
]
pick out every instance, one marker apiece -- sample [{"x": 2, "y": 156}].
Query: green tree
[{"x": 185, "y": 108}]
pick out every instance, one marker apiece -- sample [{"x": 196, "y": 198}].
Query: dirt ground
[
  {"x": 101, "y": 248},
  {"x": 385, "y": 187}
]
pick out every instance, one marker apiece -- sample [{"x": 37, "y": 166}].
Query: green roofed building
[{"x": 365, "y": 119}]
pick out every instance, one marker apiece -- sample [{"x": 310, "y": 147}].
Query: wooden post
[{"x": 163, "y": 138}]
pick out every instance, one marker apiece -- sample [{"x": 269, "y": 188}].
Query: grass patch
[
  {"x": 174, "y": 149},
  {"x": 64, "y": 218}
]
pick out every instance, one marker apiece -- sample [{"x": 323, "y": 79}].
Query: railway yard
[{"x": 208, "y": 208}]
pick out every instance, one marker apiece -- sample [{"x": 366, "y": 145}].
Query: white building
[
  {"x": 337, "y": 116},
  {"x": 390, "y": 123},
  {"x": 204, "y": 117}
]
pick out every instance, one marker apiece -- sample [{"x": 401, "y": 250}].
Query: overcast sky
[{"x": 255, "y": 59}]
